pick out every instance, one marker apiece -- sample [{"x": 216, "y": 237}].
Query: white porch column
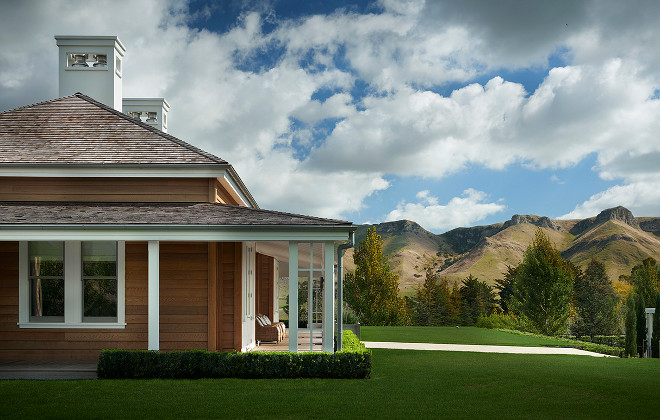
[
  {"x": 293, "y": 296},
  {"x": 329, "y": 298},
  {"x": 649, "y": 330},
  {"x": 153, "y": 300}
]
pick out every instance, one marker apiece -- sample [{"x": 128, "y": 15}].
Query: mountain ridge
[{"x": 614, "y": 236}]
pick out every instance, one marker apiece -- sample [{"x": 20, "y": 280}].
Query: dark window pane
[
  {"x": 47, "y": 297},
  {"x": 99, "y": 259},
  {"x": 99, "y": 268},
  {"x": 100, "y": 298}
]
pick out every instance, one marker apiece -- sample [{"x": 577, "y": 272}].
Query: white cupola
[
  {"x": 152, "y": 111},
  {"x": 91, "y": 65}
]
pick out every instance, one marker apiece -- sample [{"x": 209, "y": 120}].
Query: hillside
[{"x": 615, "y": 237}]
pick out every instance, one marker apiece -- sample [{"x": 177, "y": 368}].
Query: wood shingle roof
[
  {"x": 169, "y": 214},
  {"x": 77, "y": 130}
]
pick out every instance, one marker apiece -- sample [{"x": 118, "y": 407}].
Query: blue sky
[{"x": 447, "y": 113}]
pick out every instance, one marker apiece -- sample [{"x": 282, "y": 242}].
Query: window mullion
[{"x": 72, "y": 282}]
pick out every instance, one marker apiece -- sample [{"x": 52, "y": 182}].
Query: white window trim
[{"x": 72, "y": 290}]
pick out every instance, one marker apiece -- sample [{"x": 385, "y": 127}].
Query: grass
[
  {"x": 404, "y": 383},
  {"x": 453, "y": 335}
]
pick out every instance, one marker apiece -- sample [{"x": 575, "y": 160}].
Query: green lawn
[
  {"x": 452, "y": 335},
  {"x": 404, "y": 383}
]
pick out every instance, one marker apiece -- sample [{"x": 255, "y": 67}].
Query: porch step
[{"x": 47, "y": 370}]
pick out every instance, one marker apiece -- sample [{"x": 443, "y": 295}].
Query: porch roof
[{"x": 145, "y": 214}]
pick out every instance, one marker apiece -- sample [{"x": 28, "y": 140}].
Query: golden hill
[{"x": 614, "y": 237}]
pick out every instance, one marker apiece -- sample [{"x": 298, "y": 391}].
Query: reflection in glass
[
  {"x": 99, "y": 270},
  {"x": 46, "y": 277}
]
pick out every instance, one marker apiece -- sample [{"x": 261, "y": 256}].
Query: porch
[{"x": 304, "y": 342}]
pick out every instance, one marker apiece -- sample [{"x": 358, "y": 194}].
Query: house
[{"x": 115, "y": 234}]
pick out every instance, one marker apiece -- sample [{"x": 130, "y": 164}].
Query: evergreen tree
[
  {"x": 595, "y": 302},
  {"x": 640, "y": 320},
  {"x": 646, "y": 280},
  {"x": 372, "y": 291},
  {"x": 656, "y": 327},
  {"x": 631, "y": 327},
  {"x": 476, "y": 299},
  {"x": 443, "y": 302},
  {"x": 543, "y": 286},
  {"x": 455, "y": 305},
  {"x": 426, "y": 308},
  {"x": 504, "y": 288}
]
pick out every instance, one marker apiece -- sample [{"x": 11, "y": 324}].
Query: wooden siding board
[
  {"x": 212, "y": 312},
  {"x": 238, "y": 301},
  {"x": 104, "y": 189},
  {"x": 186, "y": 305}
]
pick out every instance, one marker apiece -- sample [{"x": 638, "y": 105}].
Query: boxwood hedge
[{"x": 354, "y": 362}]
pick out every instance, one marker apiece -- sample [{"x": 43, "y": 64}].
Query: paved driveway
[{"x": 480, "y": 348}]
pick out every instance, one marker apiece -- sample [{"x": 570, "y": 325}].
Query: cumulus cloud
[
  {"x": 471, "y": 207},
  {"x": 383, "y": 75},
  {"x": 640, "y": 197}
]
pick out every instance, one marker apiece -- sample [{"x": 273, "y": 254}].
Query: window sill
[
  {"x": 82, "y": 325},
  {"x": 86, "y": 68}
]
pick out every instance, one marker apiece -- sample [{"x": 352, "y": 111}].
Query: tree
[
  {"x": 448, "y": 303},
  {"x": 372, "y": 291},
  {"x": 543, "y": 286},
  {"x": 646, "y": 280},
  {"x": 640, "y": 321},
  {"x": 426, "y": 308},
  {"x": 656, "y": 328},
  {"x": 456, "y": 303},
  {"x": 504, "y": 288},
  {"x": 595, "y": 302},
  {"x": 631, "y": 327},
  {"x": 476, "y": 298}
]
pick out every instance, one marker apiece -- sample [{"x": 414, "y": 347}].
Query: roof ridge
[{"x": 150, "y": 128}]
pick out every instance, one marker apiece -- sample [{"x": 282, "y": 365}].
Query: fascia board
[
  {"x": 239, "y": 187},
  {"x": 115, "y": 171},
  {"x": 173, "y": 233}
]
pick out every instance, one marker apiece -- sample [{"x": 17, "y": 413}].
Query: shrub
[
  {"x": 354, "y": 362},
  {"x": 608, "y": 340},
  {"x": 503, "y": 321},
  {"x": 569, "y": 342}
]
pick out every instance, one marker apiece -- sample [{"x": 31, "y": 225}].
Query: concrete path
[{"x": 479, "y": 348}]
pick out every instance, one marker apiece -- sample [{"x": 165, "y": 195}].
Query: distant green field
[
  {"x": 404, "y": 383},
  {"x": 452, "y": 335}
]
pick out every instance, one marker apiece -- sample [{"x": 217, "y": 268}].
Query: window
[
  {"x": 71, "y": 284},
  {"x": 46, "y": 277},
  {"x": 99, "y": 276}
]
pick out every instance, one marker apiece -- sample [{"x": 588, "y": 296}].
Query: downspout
[{"x": 340, "y": 288}]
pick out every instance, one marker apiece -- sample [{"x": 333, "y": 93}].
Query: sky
[{"x": 446, "y": 113}]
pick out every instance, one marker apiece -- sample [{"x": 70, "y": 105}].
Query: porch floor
[
  {"x": 47, "y": 369},
  {"x": 303, "y": 342}
]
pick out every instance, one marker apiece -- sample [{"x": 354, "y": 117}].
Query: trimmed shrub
[
  {"x": 354, "y": 362},
  {"x": 608, "y": 340},
  {"x": 504, "y": 321},
  {"x": 567, "y": 342}
]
